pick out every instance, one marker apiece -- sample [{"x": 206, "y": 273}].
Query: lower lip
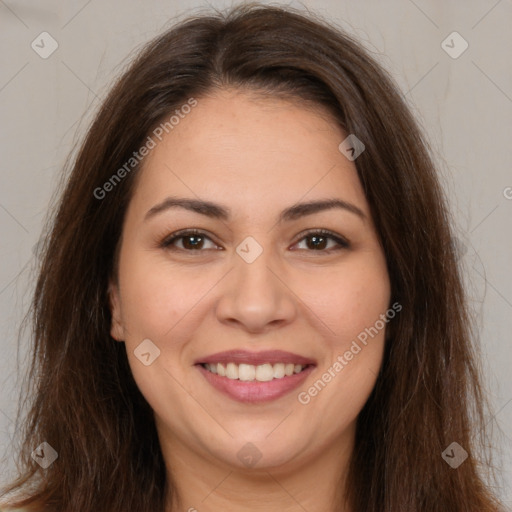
[{"x": 255, "y": 391}]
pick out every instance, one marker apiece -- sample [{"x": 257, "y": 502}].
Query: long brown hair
[{"x": 85, "y": 401}]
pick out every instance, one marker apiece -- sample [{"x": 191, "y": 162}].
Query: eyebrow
[{"x": 217, "y": 211}]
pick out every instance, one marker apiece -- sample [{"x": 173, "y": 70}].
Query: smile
[
  {"x": 250, "y": 373},
  {"x": 254, "y": 377},
  {"x": 261, "y": 383}
]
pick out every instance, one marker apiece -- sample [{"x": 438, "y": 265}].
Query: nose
[{"x": 256, "y": 296}]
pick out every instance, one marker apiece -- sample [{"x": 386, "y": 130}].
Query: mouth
[{"x": 255, "y": 377}]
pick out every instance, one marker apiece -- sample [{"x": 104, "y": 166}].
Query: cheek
[
  {"x": 352, "y": 303},
  {"x": 156, "y": 297},
  {"x": 350, "y": 299},
  {"x": 155, "y": 301},
  {"x": 354, "y": 348}
]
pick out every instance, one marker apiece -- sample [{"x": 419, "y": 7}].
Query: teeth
[
  {"x": 232, "y": 371},
  {"x": 248, "y": 372},
  {"x": 264, "y": 372},
  {"x": 278, "y": 371}
]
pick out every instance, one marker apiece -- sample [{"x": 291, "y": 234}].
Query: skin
[{"x": 257, "y": 157}]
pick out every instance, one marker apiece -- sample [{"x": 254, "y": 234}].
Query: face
[{"x": 279, "y": 295}]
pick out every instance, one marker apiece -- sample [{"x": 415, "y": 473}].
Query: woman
[{"x": 249, "y": 298}]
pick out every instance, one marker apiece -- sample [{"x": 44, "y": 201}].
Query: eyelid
[{"x": 342, "y": 242}]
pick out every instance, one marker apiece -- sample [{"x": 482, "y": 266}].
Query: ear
[{"x": 116, "y": 327}]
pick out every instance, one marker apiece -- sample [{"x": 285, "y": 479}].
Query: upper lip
[{"x": 255, "y": 358}]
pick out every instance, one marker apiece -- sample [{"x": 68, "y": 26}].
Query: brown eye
[
  {"x": 319, "y": 241},
  {"x": 191, "y": 240}
]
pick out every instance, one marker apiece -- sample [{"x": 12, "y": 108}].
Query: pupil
[
  {"x": 195, "y": 241},
  {"x": 315, "y": 240}
]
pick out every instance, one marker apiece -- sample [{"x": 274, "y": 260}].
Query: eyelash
[{"x": 167, "y": 242}]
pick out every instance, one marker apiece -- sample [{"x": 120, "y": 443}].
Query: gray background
[{"x": 464, "y": 104}]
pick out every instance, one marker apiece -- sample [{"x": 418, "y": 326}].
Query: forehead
[{"x": 253, "y": 152}]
